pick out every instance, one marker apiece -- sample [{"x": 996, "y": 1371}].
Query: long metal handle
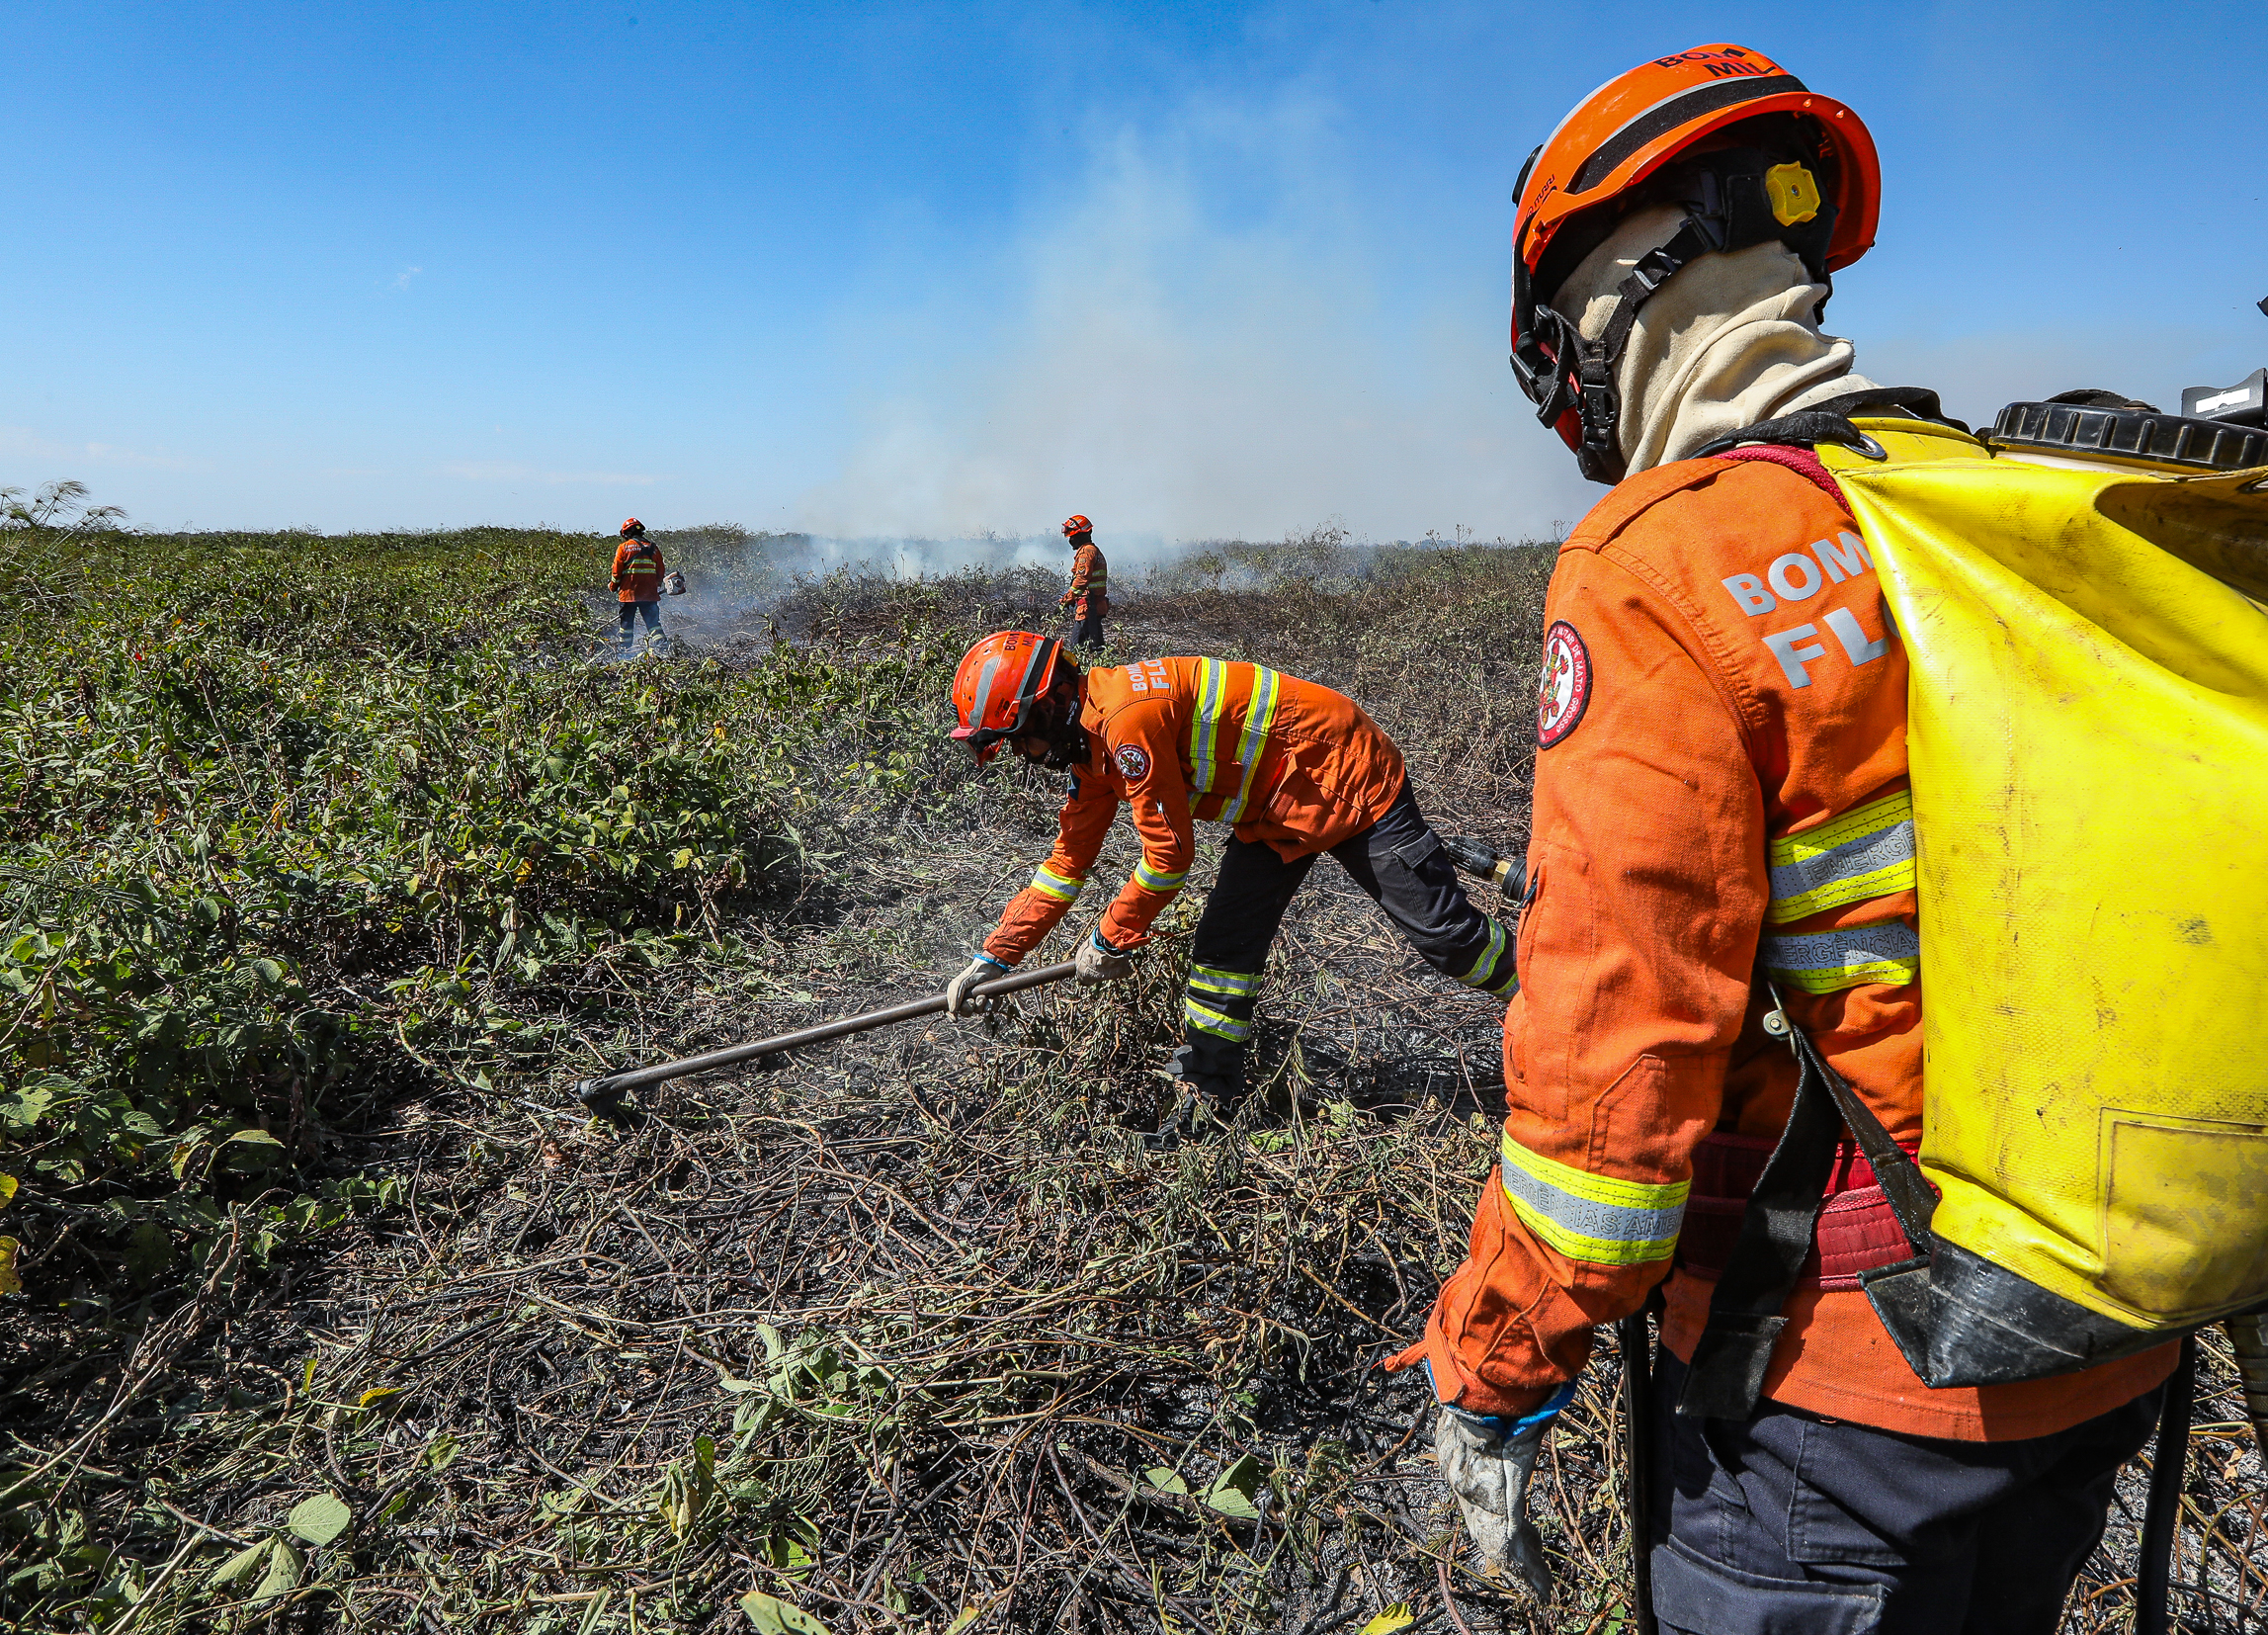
[{"x": 616, "y": 1085}]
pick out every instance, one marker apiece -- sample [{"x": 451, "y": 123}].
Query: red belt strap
[{"x": 1857, "y": 1232}]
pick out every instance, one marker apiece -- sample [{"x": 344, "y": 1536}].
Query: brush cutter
[{"x": 604, "y": 1095}]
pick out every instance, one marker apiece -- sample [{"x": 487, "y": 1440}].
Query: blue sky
[{"x": 1194, "y": 270}]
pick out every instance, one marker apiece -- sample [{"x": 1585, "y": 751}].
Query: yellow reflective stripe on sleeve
[
  {"x": 1252, "y": 747},
  {"x": 1154, "y": 879},
  {"x": 1866, "y": 852},
  {"x": 1210, "y": 979},
  {"x": 1061, "y": 887},
  {"x": 1205, "y": 727},
  {"x": 1827, "y": 962},
  {"x": 1595, "y": 1218},
  {"x": 1207, "y": 1020}
]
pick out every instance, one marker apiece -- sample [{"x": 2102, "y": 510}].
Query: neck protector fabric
[{"x": 1728, "y": 342}]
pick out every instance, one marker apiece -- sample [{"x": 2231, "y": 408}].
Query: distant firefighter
[
  {"x": 638, "y": 576},
  {"x": 1090, "y": 584}
]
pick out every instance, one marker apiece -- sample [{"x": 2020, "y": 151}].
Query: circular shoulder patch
[
  {"x": 1565, "y": 688},
  {"x": 1132, "y": 762}
]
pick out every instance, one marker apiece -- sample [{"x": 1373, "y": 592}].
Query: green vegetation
[
  {"x": 335, "y": 863},
  {"x": 298, "y": 821}
]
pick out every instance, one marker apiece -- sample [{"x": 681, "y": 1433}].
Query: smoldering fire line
[{"x": 742, "y": 584}]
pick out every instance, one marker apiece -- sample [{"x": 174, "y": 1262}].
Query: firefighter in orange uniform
[
  {"x": 637, "y": 581},
  {"x": 1293, "y": 768},
  {"x": 1090, "y": 595},
  {"x": 1723, "y": 846}
]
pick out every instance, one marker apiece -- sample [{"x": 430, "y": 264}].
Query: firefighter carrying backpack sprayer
[{"x": 2089, "y": 750}]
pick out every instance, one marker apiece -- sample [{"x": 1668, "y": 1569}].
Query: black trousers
[
  {"x": 1399, "y": 860},
  {"x": 1087, "y": 632},
  {"x": 1791, "y": 1522}
]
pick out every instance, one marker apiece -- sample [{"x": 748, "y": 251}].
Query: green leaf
[
  {"x": 240, "y": 1565},
  {"x": 10, "y": 1283},
  {"x": 1233, "y": 1492},
  {"x": 7, "y": 1189},
  {"x": 783, "y": 1555},
  {"x": 283, "y": 1575},
  {"x": 319, "y": 1519},
  {"x": 25, "y": 1108},
  {"x": 256, "y": 1138},
  {"x": 1166, "y": 1481},
  {"x": 775, "y": 1616},
  {"x": 1397, "y": 1616}
]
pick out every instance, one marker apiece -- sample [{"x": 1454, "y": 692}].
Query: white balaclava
[{"x": 1729, "y": 341}]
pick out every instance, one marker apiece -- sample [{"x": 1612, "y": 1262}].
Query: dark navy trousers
[
  {"x": 1794, "y": 1525},
  {"x": 1399, "y": 860}
]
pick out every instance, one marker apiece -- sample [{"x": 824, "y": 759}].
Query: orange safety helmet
[
  {"x": 1621, "y": 148},
  {"x": 1075, "y": 526},
  {"x": 1000, "y": 682},
  {"x": 631, "y": 525}
]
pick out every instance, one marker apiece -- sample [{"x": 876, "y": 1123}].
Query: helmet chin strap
[
  {"x": 1559, "y": 370},
  {"x": 1055, "y": 717},
  {"x": 1067, "y": 749}
]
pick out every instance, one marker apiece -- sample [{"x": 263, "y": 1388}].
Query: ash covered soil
[{"x": 914, "y": 1332}]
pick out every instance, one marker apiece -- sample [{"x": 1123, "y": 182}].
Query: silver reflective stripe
[
  {"x": 1206, "y": 1019},
  {"x": 1825, "y": 962},
  {"x": 1866, "y": 852},
  {"x": 1154, "y": 880},
  {"x": 1259, "y": 720},
  {"x": 984, "y": 689},
  {"x": 1203, "y": 729},
  {"x": 1587, "y": 1217},
  {"x": 1210, "y": 979},
  {"x": 1063, "y": 887},
  {"x": 1483, "y": 969}
]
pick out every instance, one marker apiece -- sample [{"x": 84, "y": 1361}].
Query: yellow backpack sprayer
[{"x": 2089, "y": 750}]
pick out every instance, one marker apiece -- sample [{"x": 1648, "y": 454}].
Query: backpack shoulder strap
[
  {"x": 1730, "y": 1359},
  {"x": 1830, "y": 422}
]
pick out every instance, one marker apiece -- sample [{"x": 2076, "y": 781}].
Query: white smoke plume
[{"x": 1210, "y": 342}]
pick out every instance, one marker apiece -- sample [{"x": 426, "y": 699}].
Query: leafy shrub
[{"x": 298, "y": 821}]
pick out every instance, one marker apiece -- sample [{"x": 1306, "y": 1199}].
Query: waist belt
[{"x": 1858, "y": 1230}]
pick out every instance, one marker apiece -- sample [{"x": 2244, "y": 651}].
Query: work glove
[
  {"x": 982, "y": 969},
  {"x": 1098, "y": 962},
  {"x": 1487, "y": 1463}
]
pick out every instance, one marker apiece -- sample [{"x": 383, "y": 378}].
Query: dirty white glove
[
  {"x": 982, "y": 969},
  {"x": 1486, "y": 1464},
  {"x": 1098, "y": 962}
]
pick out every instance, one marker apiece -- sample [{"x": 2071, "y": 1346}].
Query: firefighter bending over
[
  {"x": 636, "y": 580},
  {"x": 1292, "y": 767},
  {"x": 1090, "y": 595}
]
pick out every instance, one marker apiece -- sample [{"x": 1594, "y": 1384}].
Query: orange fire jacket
[
  {"x": 1278, "y": 759},
  {"x": 1721, "y": 788},
  {"x": 638, "y": 569},
  {"x": 1090, "y": 584}
]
